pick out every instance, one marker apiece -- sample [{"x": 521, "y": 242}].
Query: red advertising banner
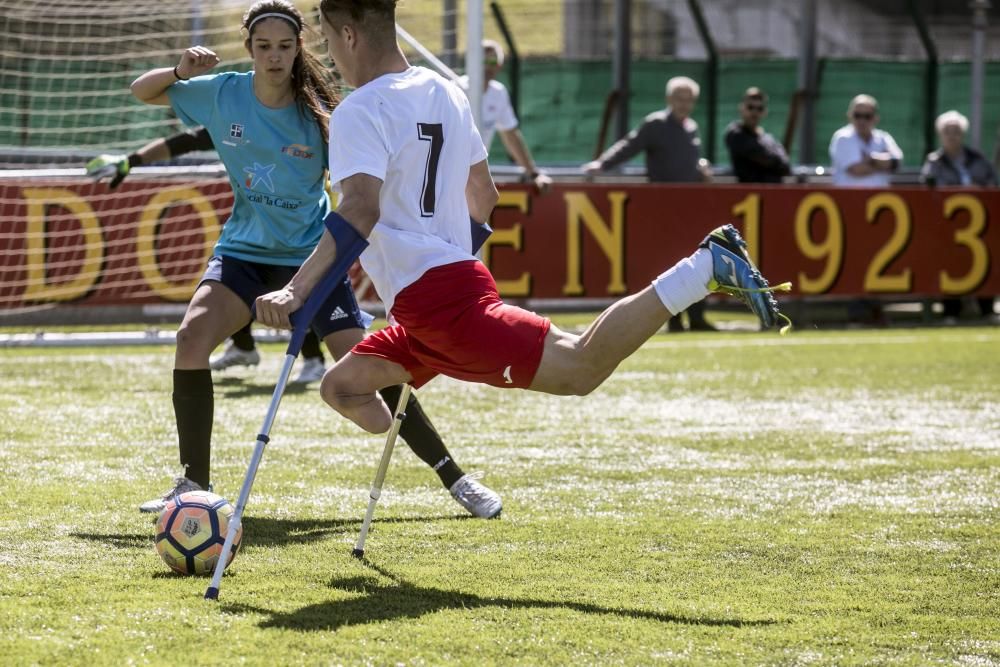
[
  {"x": 610, "y": 240},
  {"x": 73, "y": 241}
]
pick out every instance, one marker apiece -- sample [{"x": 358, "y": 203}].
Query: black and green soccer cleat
[{"x": 734, "y": 274}]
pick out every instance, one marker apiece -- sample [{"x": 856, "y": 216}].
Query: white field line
[{"x": 908, "y": 339}]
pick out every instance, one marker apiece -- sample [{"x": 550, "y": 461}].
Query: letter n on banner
[{"x": 610, "y": 239}]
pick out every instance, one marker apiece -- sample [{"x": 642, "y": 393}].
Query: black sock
[
  {"x": 193, "y": 408},
  {"x": 243, "y": 339},
  {"x": 420, "y": 434},
  {"x": 310, "y": 346}
]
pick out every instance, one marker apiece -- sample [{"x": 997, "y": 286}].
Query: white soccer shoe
[
  {"x": 312, "y": 370},
  {"x": 181, "y": 485},
  {"x": 480, "y": 500},
  {"x": 234, "y": 356}
]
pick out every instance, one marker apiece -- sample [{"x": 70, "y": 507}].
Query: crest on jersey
[
  {"x": 259, "y": 174},
  {"x": 236, "y": 131}
]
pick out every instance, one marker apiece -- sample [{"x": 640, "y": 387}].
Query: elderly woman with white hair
[{"x": 955, "y": 163}]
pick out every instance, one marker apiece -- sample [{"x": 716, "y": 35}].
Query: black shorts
[{"x": 250, "y": 280}]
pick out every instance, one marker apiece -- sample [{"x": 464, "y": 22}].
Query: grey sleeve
[
  {"x": 625, "y": 148},
  {"x": 928, "y": 173}
]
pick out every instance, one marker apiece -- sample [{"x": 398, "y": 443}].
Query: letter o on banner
[{"x": 146, "y": 234}]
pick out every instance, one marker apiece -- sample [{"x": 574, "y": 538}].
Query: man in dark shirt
[
  {"x": 756, "y": 156},
  {"x": 670, "y": 140}
]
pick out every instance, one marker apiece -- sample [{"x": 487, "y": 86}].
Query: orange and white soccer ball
[{"x": 191, "y": 531}]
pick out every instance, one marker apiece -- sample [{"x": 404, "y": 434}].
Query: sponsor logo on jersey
[
  {"x": 259, "y": 174},
  {"x": 337, "y": 314},
  {"x": 236, "y": 131},
  {"x": 297, "y": 150}
]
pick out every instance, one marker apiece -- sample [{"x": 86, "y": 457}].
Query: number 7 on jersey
[{"x": 434, "y": 133}]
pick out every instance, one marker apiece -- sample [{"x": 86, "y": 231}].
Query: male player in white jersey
[{"x": 412, "y": 169}]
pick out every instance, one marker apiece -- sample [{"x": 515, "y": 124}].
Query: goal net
[{"x": 65, "y": 72}]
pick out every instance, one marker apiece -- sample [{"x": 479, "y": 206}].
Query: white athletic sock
[{"x": 686, "y": 282}]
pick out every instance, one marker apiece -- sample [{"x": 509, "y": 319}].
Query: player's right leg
[
  {"x": 350, "y": 387},
  {"x": 215, "y": 312},
  {"x": 418, "y": 432}
]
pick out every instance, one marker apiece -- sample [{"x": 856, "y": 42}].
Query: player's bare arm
[
  {"x": 480, "y": 192},
  {"x": 514, "y": 142},
  {"x": 151, "y": 87},
  {"x": 360, "y": 208}
]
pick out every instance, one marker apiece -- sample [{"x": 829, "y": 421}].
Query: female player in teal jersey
[{"x": 270, "y": 129}]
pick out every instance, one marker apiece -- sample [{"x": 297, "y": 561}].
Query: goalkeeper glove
[{"x": 104, "y": 166}]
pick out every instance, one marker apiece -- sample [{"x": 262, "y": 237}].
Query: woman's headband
[{"x": 275, "y": 15}]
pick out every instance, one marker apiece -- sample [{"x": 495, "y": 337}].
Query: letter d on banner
[{"x": 36, "y": 244}]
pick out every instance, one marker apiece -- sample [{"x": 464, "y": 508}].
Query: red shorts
[{"x": 452, "y": 321}]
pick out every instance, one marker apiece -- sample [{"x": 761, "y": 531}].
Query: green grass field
[{"x": 828, "y": 498}]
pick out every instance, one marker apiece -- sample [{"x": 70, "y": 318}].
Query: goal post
[{"x": 66, "y": 241}]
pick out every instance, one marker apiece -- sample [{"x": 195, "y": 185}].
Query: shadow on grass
[
  {"x": 268, "y": 532},
  {"x": 237, "y": 387},
  {"x": 122, "y": 541},
  {"x": 401, "y": 599}
]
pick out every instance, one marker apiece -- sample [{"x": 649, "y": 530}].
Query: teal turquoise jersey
[{"x": 276, "y": 160}]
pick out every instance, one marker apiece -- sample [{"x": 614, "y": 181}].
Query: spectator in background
[
  {"x": 670, "y": 140},
  {"x": 498, "y": 116},
  {"x": 756, "y": 156},
  {"x": 957, "y": 164},
  {"x": 862, "y": 155}
]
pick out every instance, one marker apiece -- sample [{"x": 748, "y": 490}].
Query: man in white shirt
[
  {"x": 862, "y": 155},
  {"x": 498, "y": 116},
  {"x": 412, "y": 170}
]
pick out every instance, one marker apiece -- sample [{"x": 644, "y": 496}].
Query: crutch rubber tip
[
  {"x": 358, "y": 553},
  {"x": 212, "y": 593}
]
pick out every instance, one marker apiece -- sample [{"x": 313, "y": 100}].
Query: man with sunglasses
[
  {"x": 862, "y": 155},
  {"x": 756, "y": 156}
]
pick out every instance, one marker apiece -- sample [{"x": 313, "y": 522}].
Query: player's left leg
[
  {"x": 576, "y": 365},
  {"x": 240, "y": 351},
  {"x": 313, "y": 363}
]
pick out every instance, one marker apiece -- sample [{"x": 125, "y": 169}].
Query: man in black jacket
[{"x": 756, "y": 156}]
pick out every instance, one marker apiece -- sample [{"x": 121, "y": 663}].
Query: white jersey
[
  {"x": 498, "y": 112},
  {"x": 414, "y": 131}
]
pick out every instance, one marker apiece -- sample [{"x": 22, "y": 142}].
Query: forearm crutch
[
  {"x": 383, "y": 466},
  {"x": 349, "y": 247}
]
